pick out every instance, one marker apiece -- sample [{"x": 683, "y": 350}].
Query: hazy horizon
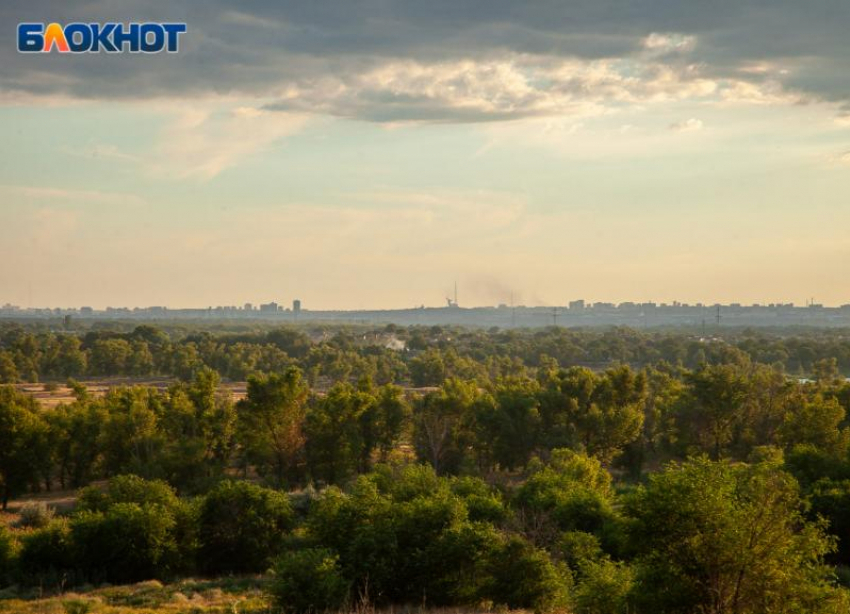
[
  {"x": 286, "y": 304},
  {"x": 358, "y": 155}
]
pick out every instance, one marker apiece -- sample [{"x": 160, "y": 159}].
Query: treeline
[
  {"x": 192, "y": 433},
  {"x": 430, "y": 355}
]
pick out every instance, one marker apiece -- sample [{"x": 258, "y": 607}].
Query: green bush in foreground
[
  {"x": 46, "y": 553},
  {"x": 309, "y": 580},
  {"x": 127, "y": 543},
  {"x": 241, "y": 527},
  {"x": 7, "y": 555}
]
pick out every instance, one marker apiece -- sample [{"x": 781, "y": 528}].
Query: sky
[{"x": 371, "y": 153}]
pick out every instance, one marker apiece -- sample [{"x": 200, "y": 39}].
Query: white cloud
[
  {"x": 516, "y": 86},
  {"x": 667, "y": 42}
]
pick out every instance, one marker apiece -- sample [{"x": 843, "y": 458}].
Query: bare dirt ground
[{"x": 49, "y": 395}]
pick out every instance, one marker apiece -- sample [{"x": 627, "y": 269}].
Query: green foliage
[
  {"x": 309, "y": 581},
  {"x": 270, "y": 423},
  {"x": 443, "y": 424},
  {"x": 126, "y": 543},
  {"x": 718, "y": 537},
  {"x": 407, "y": 536},
  {"x": 8, "y": 551},
  {"x": 600, "y": 413},
  {"x": 830, "y": 500},
  {"x": 510, "y": 426},
  {"x": 128, "y": 489},
  {"x": 47, "y": 554},
  {"x": 525, "y": 577},
  {"x": 23, "y": 434},
  {"x": 340, "y": 434},
  {"x": 571, "y": 492},
  {"x": 241, "y": 527},
  {"x": 604, "y": 588}
]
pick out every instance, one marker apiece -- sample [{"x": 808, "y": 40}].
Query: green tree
[
  {"x": 22, "y": 433},
  {"x": 393, "y": 418},
  {"x": 443, "y": 424},
  {"x": 717, "y": 395},
  {"x": 509, "y": 429},
  {"x": 270, "y": 424},
  {"x": 723, "y": 538},
  {"x": 335, "y": 428}
]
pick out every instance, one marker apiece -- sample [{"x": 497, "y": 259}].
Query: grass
[
  {"x": 231, "y": 595},
  {"x": 234, "y": 595}
]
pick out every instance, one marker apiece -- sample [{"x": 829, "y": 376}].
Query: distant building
[
  {"x": 248, "y": 307},
  {"x": 577, "y": 305},
  {"x": 296, "y": 306},
  {"x": 268, "y": 307},
  {"x": 86, "y": 311}
]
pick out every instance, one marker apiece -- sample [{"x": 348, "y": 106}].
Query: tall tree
[
  {"x": 271, "y": 424},
  {"x": 22, "y": 431}
]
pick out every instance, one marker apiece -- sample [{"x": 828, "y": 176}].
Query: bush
[
  {"x": 127, "y": 543},
  {"x": 241, "y": 527},
  {"x": 573, "y": 490},
  {"x": 578, "y": 547},
  {"x": 309, "y": 580},
  {"x": 35, "y": 514},
  {"x": 525, "y": 577},
  {"x": 7, "y": 555},
  {"x": 46, "y": 553},
  {"x": 604, "y": 588},
  {"x": 128, "y": 489}
]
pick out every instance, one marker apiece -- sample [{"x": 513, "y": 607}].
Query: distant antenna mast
[
  {"x": 555, "y": 316},
  {"x": 450, "y": 302},
  {"x": 717, "y": 316},
  {"x": 513, "y": 312}
]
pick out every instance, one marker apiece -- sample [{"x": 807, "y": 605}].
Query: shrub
[
  {"x": 241, "y": 526},
  {"x": 46, "y": 553},
  {"x": 578, "y": 547},
  {"x": 128, "y": 489},
  {"x": 483, "y": 502},
  {"x": 573, "y": 490},
  {"x": 309, "y": 580},
  {"x": 7, "y": 555},
  {"x": 525, "y": 577},
  {"x": 35, "y": 514},
  {"x": 604, "y": 588},
  {"x": 127, "y": 543}
]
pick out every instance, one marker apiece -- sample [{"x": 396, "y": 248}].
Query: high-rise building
[{"x": 296, "y": 306}]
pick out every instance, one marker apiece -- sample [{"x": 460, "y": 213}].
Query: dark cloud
[{"x": 262, "y": 48}]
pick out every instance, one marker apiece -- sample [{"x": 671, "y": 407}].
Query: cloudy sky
[{"x": 368, "y": 153}]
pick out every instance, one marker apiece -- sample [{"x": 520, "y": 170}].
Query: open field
[{"x": 51, "y": 394}]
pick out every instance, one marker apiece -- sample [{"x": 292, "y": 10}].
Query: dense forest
[
  {"x": 587, "y": 471},
  {"x": 422, "y": 356}
]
